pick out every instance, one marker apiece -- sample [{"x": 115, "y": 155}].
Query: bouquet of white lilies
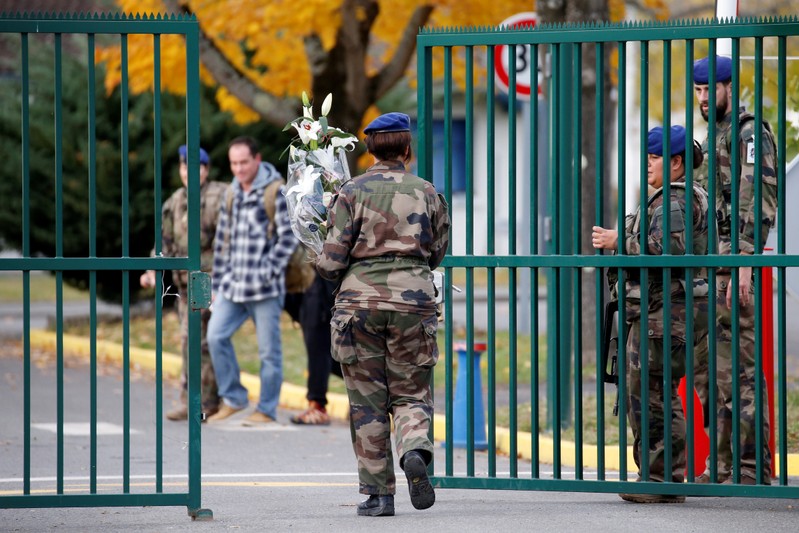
[{"x": 317, "y": 169}]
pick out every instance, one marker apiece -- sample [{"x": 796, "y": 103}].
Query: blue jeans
[{"x": 226, "y": 318}]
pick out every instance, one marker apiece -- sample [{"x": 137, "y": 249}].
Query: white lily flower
[
  {"x": 305, "y": 185},
  {"x": 325, "y": 157},
  {"x": 327, "y": 104},
  {"x": 306, "y": 112},
  {"x": 308, "y": 130},
  {"x": 347, "y": 142}
]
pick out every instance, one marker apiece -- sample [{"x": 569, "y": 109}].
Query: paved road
[
  {"x": 289, "y": 478},
  {"x": 43, "y": 315}
]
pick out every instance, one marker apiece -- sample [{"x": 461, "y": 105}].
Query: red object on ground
[
  {"x": 767, "y": 290},
  {"x": 477, "y": 346},
  {"x": 701, "y": 440}
]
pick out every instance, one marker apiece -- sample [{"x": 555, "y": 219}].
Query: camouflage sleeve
[
  {"x": 676, "y": 244},
  {"x": 747, "y": 225},
  {"x": 440, "y": 223},
  {"x": 167, "y": 229},
  {"x": 213, "y": 205},
  {"x": 334, "y": 260},
  {"x": 220, "y": 261},
  {"x": 631, "y": 236}
]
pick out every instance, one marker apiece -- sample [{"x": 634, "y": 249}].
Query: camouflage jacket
[
  {"x": 677, "y": 246},
  {"x": 745, "y": 174},
  {"x": 387, "y": 230},
  {"x": 175, "y": 226}
]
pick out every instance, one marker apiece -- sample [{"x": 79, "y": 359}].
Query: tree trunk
[{"x": 340, "y": 70}]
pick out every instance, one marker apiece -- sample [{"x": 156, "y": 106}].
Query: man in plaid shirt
[{"x": 250, "y": 257}]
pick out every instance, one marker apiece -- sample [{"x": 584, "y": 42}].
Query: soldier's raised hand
[
  {"x": 604, "y": 238},
  {"x": 147, "y": 279}
]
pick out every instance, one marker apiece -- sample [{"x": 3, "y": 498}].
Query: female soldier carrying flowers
[{"x": 387, "y": 231}]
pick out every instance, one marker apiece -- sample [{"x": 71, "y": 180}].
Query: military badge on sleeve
[{"x": 750, "y": 152}]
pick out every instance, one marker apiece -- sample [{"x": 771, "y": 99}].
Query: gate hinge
[{"x": 199, "y": 290}]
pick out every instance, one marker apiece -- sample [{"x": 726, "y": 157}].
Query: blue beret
[
  {"x": 389, "y": 122},
  {"x": 676, "y": 140},
  {"x": 702, "y": 70},
  {"x": 183, "y": 153}
]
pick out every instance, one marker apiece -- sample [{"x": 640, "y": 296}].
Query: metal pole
[{"x": 726, "y": 9}]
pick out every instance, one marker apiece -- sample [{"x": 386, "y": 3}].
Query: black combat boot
[
  {"x": 377, "y": 506},
  {"x": 422, "y": 494}
]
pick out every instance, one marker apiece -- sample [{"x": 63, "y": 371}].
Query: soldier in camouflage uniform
[
  {"x": 388, "y": 230},
  {"x": 679, "y": 203},
  {"x": 745, "y": 175},
  {"x": 174, "y": 234}
]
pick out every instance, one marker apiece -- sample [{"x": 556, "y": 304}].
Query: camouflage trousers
[
  {"x": 210, "y": 396},
  {"x": 387, "y": 359},
  {"x": 701, "y": 354},
  {"x": 656, "y": 412},
  {"x": 746, "y": 383}
]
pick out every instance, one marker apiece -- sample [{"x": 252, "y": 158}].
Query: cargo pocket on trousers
[
  {"x": 342, "y": 339},
  {"x": 428, "y": 356}
]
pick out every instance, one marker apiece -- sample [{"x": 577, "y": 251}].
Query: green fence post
[{"x": 566, "y": 223}]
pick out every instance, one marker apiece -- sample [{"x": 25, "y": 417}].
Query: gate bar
[
  {"x": 158, "y": 240},
  {"x": 781, "y": 288},
  {"x": 92, "y": 168},
  {"x": 59, "y": 252}
]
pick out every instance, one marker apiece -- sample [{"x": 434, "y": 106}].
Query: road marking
[
  {"x": 208, "y": 477},
  {"x": 108, "y": 487},
  {"x": 185, "y": 476},
  {"x": 83, "y": 429},
  {"x": 234, "y": 426}
]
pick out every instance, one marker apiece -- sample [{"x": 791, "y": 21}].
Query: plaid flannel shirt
[{"x": 248, "y": 266}]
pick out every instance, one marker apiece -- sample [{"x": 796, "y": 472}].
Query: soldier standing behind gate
[
  {"x": 678, "y": 204},
  {"x": 388, "y": 229},
  {"x": 748, "y": 227},
  {"x": 175, "y": 235}
]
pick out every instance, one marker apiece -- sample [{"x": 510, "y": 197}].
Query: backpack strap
[
  {"x": 228, "y": 211},
  {"x": 270, "y": 195},
  {"x": 743, "y": 118}
]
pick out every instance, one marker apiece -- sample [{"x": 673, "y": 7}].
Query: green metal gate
[
  {"x": 455, "y": 80},
  {"x": 29, "y": 32}
]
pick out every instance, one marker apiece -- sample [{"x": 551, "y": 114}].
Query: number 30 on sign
[{"x": 522, "y": 58}]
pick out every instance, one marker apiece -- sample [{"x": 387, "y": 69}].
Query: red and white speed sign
[{"x": 522, "y": 63}]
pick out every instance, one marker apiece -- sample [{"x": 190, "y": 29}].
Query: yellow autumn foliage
[{"x": 264, "y": 40}]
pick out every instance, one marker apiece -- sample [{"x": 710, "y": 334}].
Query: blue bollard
[{"x": 460, "y": 411}]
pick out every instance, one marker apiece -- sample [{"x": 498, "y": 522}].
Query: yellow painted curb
[
  {"x": 546, "y": 447},
  {"x": 294, "y": 397},
  {"x": 291, "y": 396}
]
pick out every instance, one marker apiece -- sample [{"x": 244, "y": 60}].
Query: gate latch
[{"x": 199, "y": 290}]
